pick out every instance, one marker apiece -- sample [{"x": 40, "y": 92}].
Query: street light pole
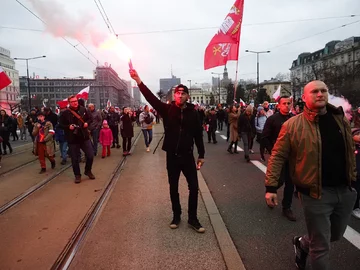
[
  {"x": 27, "y": 74},
  {"x": 257, "y": 66}
]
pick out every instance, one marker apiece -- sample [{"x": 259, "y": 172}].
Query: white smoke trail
[
  {"x": 344, "y": 103},
  {"x": 61, "y": 23}
]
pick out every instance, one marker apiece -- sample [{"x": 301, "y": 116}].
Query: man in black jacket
[
  {"x": 75, "y": 121},
  {"x": 269, "y": 136},
  {"x": 113, "y": 119},
  {"x": 211, "y": 121},
  {"x": 182, "y": 127}
]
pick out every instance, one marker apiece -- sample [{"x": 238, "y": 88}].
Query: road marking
[{"x": 350, "y": 234}]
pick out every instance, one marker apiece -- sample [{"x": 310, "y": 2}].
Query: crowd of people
[{"x": 77, "y": 130}]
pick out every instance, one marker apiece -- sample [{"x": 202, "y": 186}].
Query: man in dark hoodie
[{"x": 182, "y": 128}]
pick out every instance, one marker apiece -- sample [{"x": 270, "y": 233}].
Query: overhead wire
[
  {"x": 103, "y": 16},
  {"x": 107, "y": 18},
  {"x": 72, "y": 45}
]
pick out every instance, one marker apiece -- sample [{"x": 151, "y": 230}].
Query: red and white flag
[
  {"x": 242, "y": 103},
  {"x": 4, "y": 79},
  {"x": 84, "y": 94},
  {"x": 108, "y": 104},
  {"x": 277, "y": 94},
  {"x": 224, "y": 46}
]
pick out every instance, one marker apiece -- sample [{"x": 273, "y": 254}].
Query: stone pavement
[{"x": 133, "y": 231}]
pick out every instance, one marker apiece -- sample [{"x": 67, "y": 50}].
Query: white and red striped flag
[
  {"x": 4, "y": 79},
  {"x": 84, "y": 94},
  {"x": 277, "y": 94}
]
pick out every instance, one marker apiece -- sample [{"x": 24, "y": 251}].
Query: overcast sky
[{"x": 154, "y": 54}]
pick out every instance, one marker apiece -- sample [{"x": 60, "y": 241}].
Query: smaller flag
[
  {"x": 276, "y": 95},
  {"x": 84, "y": 93},
  {"x": 108, "y": 103},
  {"x": 62, "y": 103},
  {"x": 4, "y": 79},
  {"x": 242, "y": 103}
]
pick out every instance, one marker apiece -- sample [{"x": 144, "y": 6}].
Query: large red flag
[
  {"x": 4, "y": 79},
  {"x": 84, "y": 94},
  {"x": 224, "y": 46}
]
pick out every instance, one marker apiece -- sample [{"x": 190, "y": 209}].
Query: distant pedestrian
[
  {"x": 319, "y": 147},
  {"x": 44, "y": 141},
  {"x": 220, "y": 115},
  {"x": 259, "y": 125},
  {"x": 147, "y": 120},
  {"x": 127, "y": 130},
  {"x": 74, "y": 121},
  {"x": 14, "y": 126},
  {"x": 95, "y": 126},
  {"x": 106, "y": 139},
  {"x": 21, "y": 124},
  {"x": 5, "y": 130},
  {"x": 182, "y": 128},
  {"x": 233, "y": 116},
  {"x": 356, "y": 137},
  {"x": 268, "y": 112},
  {"x": 247, "y": 131},
  {"x": 31, "y": 119},
  {"x": 113, "y": 119},
  {"x": 60, "y": 138},
  {"x": 211, "y": 122}
]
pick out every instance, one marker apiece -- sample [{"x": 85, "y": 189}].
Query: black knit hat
[{"x": 181, "y": 87}]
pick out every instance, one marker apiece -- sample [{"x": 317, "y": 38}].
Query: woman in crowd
[
  {"x": 5, "y": 129},
  {"x": 246, "y": 130},
  {"x": 127, "y": 130},
  {"x": 233, "y": 124}
]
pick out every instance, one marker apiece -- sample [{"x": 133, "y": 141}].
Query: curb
[{"x": 227, "y": 247}]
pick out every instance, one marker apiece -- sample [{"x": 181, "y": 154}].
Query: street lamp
[
  {"x": 218, "y": 83},
  {"x": 257, "y": 66},
  {"x": 27, "y": 73}
]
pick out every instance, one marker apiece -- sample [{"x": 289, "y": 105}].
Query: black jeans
[
  {"x": 228, "y": 132},
  {"x": 74, "y": 150},
  {"x": 14, "y": 134},
  {"x": 115, "y": 133},
  {"x": 185, "y": 164},
  {"x": 126, "y": 144},
  {"x": 288, "y": 186},
  {"x": 211, "y": 135},
  {"x": 220, "y": 124}
]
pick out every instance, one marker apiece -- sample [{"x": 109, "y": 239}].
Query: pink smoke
[{"x": 344, "y": 103}]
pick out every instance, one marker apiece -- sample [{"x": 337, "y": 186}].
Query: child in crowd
[{"x": 105, "y": 139}]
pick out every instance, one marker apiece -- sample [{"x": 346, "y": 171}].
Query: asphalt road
[{"x": 262, "y": 236}]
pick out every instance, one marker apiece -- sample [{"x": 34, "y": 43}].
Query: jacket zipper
[{"x": 181, "y": 120}]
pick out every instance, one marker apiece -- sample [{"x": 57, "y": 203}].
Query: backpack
[{"x": 148, "y": 119}]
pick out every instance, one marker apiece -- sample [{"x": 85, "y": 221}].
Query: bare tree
[{"x": 283, "y": 76}]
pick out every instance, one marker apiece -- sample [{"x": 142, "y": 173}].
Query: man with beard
[
  {"x": 75, "y": 121},
  {"x": 268, "y": 112},
  {"x": 319, "y": 147},
  {"x": 182, "y": 128}
]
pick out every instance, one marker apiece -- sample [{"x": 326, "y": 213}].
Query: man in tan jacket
[{"x": 320, "y": 150}]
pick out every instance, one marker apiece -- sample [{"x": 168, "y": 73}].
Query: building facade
[
  {"x": 310, "y": 66},
  {"x": 137, "y": 97},
  {"x": 272, "y": 86},
  {"x": 167, "y": 83},
  {"x": 105, "y": 86},
  {"x": 10, "y": 95}
]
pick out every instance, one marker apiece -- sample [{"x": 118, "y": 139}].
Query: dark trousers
[
  {"x": 126, "y": 144},
  {"x": 74, "y": 150},
  {"x": 211, "y": 135},
  {"x": 95, "y": 140},
  {"x": 357, "y": 182},
  {"x": 14, "y": 134},
  {"x": 220, "y": 124},
  {"x": 115, "y": 133},
  {"x": 262, "y": 145},
  {"x": 6, "y": 137},
  {"x": 288, "y": 187},
  {"x": 185, "y": 164},
  {"x": 326, "y": 221}
]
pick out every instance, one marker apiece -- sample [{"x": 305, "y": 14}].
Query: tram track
[{"x": 72, "y": 247}]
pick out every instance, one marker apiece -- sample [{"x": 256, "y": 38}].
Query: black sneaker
[
  {"x": 195, "y": 224},
  {"x": 175, "y": 223},
  {"x": 43, "y": 170},
  {"x": 53, "y": 164},
  {"x": 77, "y": 179},
  {"x": 300, "y": 254}
]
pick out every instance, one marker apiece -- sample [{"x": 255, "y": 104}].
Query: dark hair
[{"x": 285, "y": 96}]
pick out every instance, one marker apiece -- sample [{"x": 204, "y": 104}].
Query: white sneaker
[
  {"x": 251, "y": 151},
  {"x": 148, "y": 149},
  {"x": 356, "y": 213}
]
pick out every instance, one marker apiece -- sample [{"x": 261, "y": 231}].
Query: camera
[{"x": 76, "y": 129}]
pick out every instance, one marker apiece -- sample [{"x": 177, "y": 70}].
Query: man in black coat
[
  {"x": 182, "y": 128},
  {"x": 211, "y": 123},
  {"x": 75, "y": 121}
]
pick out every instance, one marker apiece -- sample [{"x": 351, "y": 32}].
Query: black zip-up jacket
[
  {"x": 272, "y": 129},
  {"x": 211, "y": 120},
  {"x": 81, "y": 134},
  {"x": 182, "y": 126},
  {"x": 246, "y": 124},
  {"x": 113, "y": 118}
]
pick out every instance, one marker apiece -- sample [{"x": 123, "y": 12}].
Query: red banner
[
  {"x": 4, "y": 79},
  {"x": 224, "y": 46}
]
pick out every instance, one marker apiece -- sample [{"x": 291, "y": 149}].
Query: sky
[{"x": 154, "y": 55}]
